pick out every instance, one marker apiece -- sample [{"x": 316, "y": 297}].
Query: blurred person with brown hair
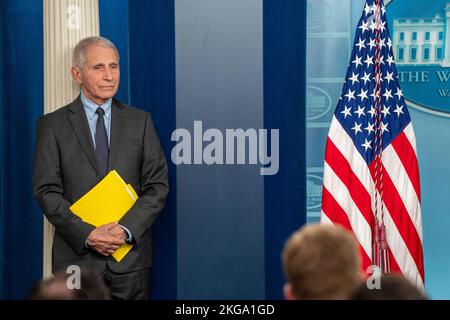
[{"x": 321, "y": 262}]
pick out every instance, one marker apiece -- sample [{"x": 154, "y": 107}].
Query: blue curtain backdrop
[
  {"x": 284, "y": 108},
  {"x": 21, "y": 103},
  {"x": 143, "y": 32},
  {"x": 152, "y": 87}
]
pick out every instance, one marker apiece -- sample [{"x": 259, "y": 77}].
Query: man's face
[{"x": 100, "y": 75}]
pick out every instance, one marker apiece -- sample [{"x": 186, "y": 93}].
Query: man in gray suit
[{"x": 76, "y": 146}]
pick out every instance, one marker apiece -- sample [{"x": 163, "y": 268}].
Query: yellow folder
[{"x": 107, "y": 202}]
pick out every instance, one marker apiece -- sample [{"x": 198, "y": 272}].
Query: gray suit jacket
[{"x": 65, "y": 168}]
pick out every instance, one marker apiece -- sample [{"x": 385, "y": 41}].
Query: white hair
[{"x": 79, "y": 52}]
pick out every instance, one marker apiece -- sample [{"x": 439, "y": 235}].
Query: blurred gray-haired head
[{"x": 79, "y": 52}]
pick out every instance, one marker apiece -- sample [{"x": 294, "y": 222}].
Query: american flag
[{"x": 371, "y": 175}]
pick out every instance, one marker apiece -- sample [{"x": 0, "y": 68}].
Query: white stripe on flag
[
  {"x": 400, "y": 251},
  {"x": 400, "y": 179},
  {"x": 340, "y": 193},
  {"x": 324, "y": 219},
  {"x": 409, "y": 132}
]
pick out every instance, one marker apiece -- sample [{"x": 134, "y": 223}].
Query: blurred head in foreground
[
  {"x": 59, "y": 287},
  {"x": 321, "y": 262}
]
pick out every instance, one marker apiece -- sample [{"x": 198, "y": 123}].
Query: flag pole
[{"x": 380, "y": 253}]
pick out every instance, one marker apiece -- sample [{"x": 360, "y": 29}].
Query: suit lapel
[
  {"x": 80, "y": 125},
  {"x": 117, "y": 129}
]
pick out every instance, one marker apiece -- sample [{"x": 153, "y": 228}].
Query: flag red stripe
[
  {"x": 343, "y": 170},
  {"x": 333, "y": 210},
  {"x": 406, "y": 153},
  {"x": 401, "y": 219},
  {"x": 335, "y": 213}
]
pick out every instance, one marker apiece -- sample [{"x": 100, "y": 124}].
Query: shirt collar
[{"x": 90, "y": 107}]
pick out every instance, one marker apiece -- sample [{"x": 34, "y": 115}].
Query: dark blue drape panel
[
  {"x": 284, "y": 108},
  {"x": 21, "y": 103},
  {"x": 152, "y": 87},
  {"x": 114, "y": 26},
  {"x": 2, "y": 151}
]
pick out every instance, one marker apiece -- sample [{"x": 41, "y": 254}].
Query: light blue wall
[
  {"x": 433, "y": 148},
  {"x": 330, "y": 39},
  {"x": 219, "y": 77}
]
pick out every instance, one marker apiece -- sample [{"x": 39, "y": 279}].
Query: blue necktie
[{"x": 101, "y": 142}]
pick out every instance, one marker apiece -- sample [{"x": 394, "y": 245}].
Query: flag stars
[
  {"x": 369, "y": 128},
  {"x": 373, "y": 25},
  {"x": 361, "y": 44},
  {"x": 367, "y": 144},
  {"x": 380, "y": 60},
  {"x": 385, "y": 111},
  {"x": 378, "y": 78},
  {"x": 389, "y": 43},
  {"x": 388, "y": 94},
  {"x": 368, "y": 61},
  {"x": 367, "y": 9},
  {"x": 346, "y": 112},
  {"x": 357, "y": 128},
  {"x": 366, "y": 77},
  {"x": 375, "y": 95},
  {"x": 354, "y": 78},
  {"x": 357, "y": 61},
  {"x": 360, "y": 112},
  {"x": 350, "y": 95},
  {"x": 372, "y": 44},
  {"x": 390, "y": 60},
  {"x": 399, "y": 110},
  {"x": 363, "y": 95},
  {"x": 389, "y": 77},
  {"x": 364, "y": 26},
  {"x": 373, "y": 83}
]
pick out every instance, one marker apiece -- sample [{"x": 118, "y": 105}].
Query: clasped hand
[{"x": 106, "y": 238}]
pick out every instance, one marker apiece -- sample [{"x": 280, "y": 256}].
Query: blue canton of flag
[{"x": 355, "y": 110}]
